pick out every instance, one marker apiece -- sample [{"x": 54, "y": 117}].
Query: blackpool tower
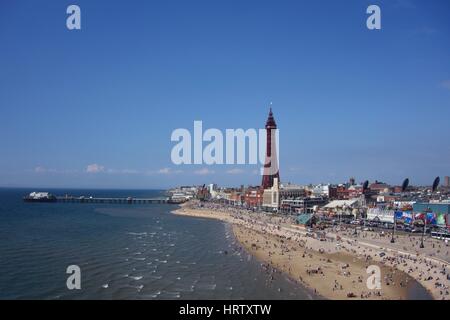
[{"x": 271, "y": 170}]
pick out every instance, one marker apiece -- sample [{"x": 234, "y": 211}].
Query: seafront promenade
[{"x": 335, "y": 266}]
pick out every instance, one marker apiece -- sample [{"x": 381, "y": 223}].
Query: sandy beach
[{"x": 334, "y": 268}]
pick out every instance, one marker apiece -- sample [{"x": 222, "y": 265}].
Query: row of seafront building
[{"x": 378, "y": 201}]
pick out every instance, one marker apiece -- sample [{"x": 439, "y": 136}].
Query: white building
[
  {"x": 321, "y": 190},
  {"x": 343, "y": 204},
  {"x": 344, "y": 207},
  {"x": 213, "y": 190},
  {"x": 271, "y": 197},
  {"x": 212, "y": 187}
]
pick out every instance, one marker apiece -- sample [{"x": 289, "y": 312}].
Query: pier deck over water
[{"x": 129, "y": 200}]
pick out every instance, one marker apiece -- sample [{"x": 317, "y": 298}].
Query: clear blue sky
[{"x": 348, "y": 101}]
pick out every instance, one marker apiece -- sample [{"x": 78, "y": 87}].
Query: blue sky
[{"x": 96, "y": 107}]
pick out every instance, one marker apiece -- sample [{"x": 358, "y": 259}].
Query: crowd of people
[{"x": 368, "y": 246}]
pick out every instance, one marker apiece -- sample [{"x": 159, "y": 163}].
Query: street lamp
[
  {"x": 424, "y": 228},
  {"x": 395, "y": 227},
  {"x": 404, "y": 187},
  {"x": 433, "y": 189}
]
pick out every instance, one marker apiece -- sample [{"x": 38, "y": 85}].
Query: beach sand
[
  {"x": 330, "y": 275},
  {"x": 331, "y": 270}
]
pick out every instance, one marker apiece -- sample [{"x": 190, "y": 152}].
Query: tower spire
[{"x": 270, "y": 123}]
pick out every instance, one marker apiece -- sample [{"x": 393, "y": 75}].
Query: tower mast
[{"x": 271, "y": 162}]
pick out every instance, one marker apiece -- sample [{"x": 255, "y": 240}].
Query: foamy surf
[{"x": 137, "y": 233}]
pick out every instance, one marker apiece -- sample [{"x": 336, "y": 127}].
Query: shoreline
[
  {"x": 267, "y": 267},
  {"x": 329, "y": 269}
]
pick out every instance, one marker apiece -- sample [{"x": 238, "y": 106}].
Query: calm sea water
[{"x": 124, "y": 252}]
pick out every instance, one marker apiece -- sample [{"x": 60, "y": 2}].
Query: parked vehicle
[{"x": 441, "y": 235}]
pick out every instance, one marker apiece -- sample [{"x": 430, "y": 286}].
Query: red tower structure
[{"x": 271, "y": 170}]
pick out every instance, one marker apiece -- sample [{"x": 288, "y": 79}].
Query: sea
[{"x": 125, "y": 251}]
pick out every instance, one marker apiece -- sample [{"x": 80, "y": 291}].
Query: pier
[{"x": 129, "y": 200}]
